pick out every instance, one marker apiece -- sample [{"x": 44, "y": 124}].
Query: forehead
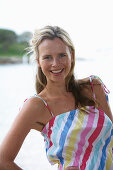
[{"x": 56, "y": 45}]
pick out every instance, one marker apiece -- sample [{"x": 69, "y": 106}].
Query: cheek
[
  {"x": 42, "y": 64},
  {"x": 68, "y": 63},
  {"x": 44, "y": 67}
]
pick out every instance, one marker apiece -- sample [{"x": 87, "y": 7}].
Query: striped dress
[{"x": 78, "y": 139}]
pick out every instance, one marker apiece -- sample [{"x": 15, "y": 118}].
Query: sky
[{"x": 89, "y": 22}]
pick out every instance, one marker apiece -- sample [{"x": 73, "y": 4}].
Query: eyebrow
[
  {"x": 51, "y": 55},
  {"x": 45, "y": 55}
]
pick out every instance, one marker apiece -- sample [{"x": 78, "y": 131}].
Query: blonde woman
[{"x": 73, "y": 116}]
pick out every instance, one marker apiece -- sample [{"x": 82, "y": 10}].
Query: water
[{"x": 17, "y": 83}]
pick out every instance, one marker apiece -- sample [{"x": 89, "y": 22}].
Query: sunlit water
[{"x": 17, "y": 83}]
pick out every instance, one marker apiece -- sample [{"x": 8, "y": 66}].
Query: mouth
[{"x": 57, "y": 71}]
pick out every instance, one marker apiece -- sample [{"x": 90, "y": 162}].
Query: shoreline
[
  {"x": 10, "y": 60},
  {"x": 19, "y": 60}
]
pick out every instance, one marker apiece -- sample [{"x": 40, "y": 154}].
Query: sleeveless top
[{"x": 78, "y": 139}]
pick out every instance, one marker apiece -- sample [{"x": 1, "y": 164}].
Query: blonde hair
[{"x": 50, "y": 32}]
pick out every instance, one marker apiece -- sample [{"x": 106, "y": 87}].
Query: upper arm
[
  {"x": 102, "y": 97},
  {"x": 23, "y": 123}
]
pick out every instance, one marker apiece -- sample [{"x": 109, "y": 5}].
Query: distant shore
[
  {"x": 14, "y": 59},
  {"x": 10, "y": 60},
  {"x": 17, "y": 60}
]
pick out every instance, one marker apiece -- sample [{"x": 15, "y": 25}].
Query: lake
[{"x": 17, "y": 83}]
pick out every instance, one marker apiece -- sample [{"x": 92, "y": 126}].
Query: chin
[{"x": 58, "y": 80}]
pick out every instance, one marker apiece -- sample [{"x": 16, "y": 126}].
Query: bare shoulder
[
  {"x": 32, "y": 110},
  {"x": 99, "y": 92},
  {"x": 85, "y": 86},
  {"x": 101, "y": 97},
  {"x": 86, "y": 80}
]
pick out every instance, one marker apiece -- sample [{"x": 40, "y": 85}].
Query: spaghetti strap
[
  {"x": 92, "y": 87},
  {"x": 45, "y": 104}
]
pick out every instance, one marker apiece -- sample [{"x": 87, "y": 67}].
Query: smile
[{"x": 57, "y": 71}]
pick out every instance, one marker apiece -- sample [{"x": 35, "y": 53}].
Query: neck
[{"x": 56, "y": 89}]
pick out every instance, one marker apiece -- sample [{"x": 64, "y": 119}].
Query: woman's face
[{"x": 54, "y": 59}]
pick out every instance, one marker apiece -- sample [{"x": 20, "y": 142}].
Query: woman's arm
[
  {"x": 102, "y": 98},
  {"x": 24, "y": 122},
  {"x": 9, "y": 166}
]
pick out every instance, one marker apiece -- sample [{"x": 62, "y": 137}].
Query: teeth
[{"x": 58, "y": 71}]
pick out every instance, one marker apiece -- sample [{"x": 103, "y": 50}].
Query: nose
[{"x": 55, "y": 62}]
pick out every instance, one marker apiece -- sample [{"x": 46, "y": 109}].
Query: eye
[
  {"x": 47, "y": 57},
  {"x": 62, "y": 55}
]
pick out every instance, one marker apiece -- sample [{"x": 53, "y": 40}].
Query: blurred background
[{"x": 89, "y": 24}]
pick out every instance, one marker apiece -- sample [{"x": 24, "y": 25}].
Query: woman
[{"x": 73, "y": 115}]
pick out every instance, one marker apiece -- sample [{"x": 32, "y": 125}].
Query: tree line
[{"x": 12, "y": 44}]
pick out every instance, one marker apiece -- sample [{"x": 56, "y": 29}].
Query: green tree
[
  {"x": 7, "y": 35},
  {"x": 6, "y": 38},
  {"x": 12, "y": 44}
]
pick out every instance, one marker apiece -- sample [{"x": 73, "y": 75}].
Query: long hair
[{"x": 72, "y": 85}]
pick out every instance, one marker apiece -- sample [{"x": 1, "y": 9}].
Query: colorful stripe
[
  {"x": 50, "y": 130},
  {"x": 59, "y": 123},
  {"x": 103, "y": 158},
  {"x": 109, "y": 161},
  {"x": 64, "y": 134},
  {"x": 89, "y": 125},
  {"x": 98, "y": 145},
  {"x": 62, "y": 144},
  {"x": 91, "y": 140},
  {"x": 73, "y": 137}
]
